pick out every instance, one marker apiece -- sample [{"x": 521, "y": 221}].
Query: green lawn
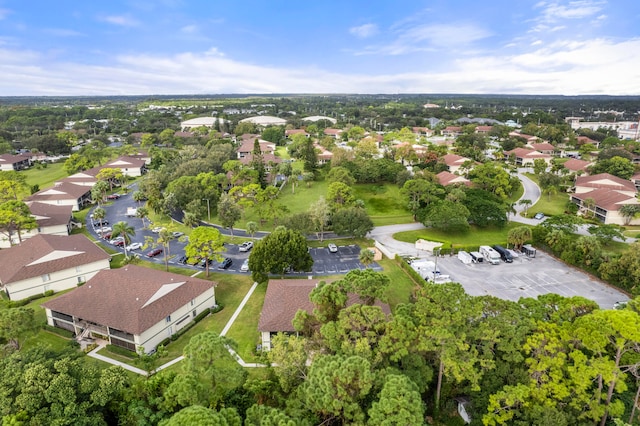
[
  {"x": 45, "y": 177},
  {"x": 402, "y": 285},
  {"x": 384, "y": 203},
  {"x": 474, "y": 237},
  {"x": 549, "y": 205},
  {"x": 245, "y": 329}
]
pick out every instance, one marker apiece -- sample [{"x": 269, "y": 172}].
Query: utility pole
[{"x": 208, "y": 208}]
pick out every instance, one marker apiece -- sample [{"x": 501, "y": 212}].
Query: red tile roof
[
  {"x": 575, "y": 164},
  {"x": 544, "y": 146},
  {"x": 447, "y": 178},
  {"x": 608, "y": 199},
  {"x": 130, "y": 299},
  {"x": 44, "y": 254},
  {"x": 527, "y": 153},
  {"x": 453, "y": 159}
]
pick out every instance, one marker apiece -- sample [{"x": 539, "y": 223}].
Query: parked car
[
  {"x": 182, "y": 260},
  {"x": 157, "y": 229},
  {"x": 333, "y": 248},
  {"x": 100, "y": 222},
  {"x": 104, "y": 229},
  {"x": 154, "y": 252},
  {"x": 106, "y": 236},
  {"x": 539, "y": 216},
  {"x": 504, "y": 253},
  {"x": 117, "y": 242},
  {"x": 134, "y": 246},
  {"x": 177, "y": 234},
  {"x": 113, "y": 196},
  {"x": 246, "y": 246},
  {"x": 226, "y": 262},
  {"x": 245, "y": 266}
]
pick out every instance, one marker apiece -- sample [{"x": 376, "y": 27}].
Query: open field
[
  {"x": 475, "y": 236},
  {"x": 44, "y": 177}
]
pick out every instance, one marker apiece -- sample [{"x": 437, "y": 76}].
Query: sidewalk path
[{"x": 94, "y": 354}]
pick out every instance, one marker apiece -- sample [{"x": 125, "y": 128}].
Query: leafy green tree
[
  {"x": 110, "y": 175},
  {"x": 77, "y": 163},
  {"x": 205, "y": 242},
  {"x": 617, "y": 166},
  {"x": 492, "y": 178},
  {"x": 605, "y": 233},
  {"x": 201, "y": 416},
  {"x": 142, "y": 213},
  {"x": 319, "y": 212},
  {"x": 16, "y": 324},
  {"x": 301, "y": 222},
  {"x": 539, "y": 166},
  {"x": 229, "y": 211},
  {"x": 337, "y": 387},
  {"x": 12, "y": 186},
  {"x": 629, "y": 211},
  {"x": 518, "y": 236},
  {"x": 263, "y": 415},
  {"x": 368, "y": 284},
  {"x": 340, "y": 195},
  {"x": 399, "y": 403},
  {"x": 340, "y": 174},
  {"x": 526, "y": 203},
  {"x": 420, "y": 193},
  {"x": 485, "y": 208},
  {"x": 446, "y": 216},
  {"x": 15, "y": 217},
  {"x": 351, "y": 221},
  {"x": 289, "y": 354},
  {"x": 309, "y": 156},
  {"x": 99, "y": 192},
  {"x": 252, "y": 228},
  {"x": 366, "y": 257},
  {"x": 355, "y": 133},
  {"x": 274, "y": 134},
  {"x": 277, "y": 252}
]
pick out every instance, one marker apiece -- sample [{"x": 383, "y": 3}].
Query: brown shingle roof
[
  {"x": 248, "y": 145},
  {"x": 117, "y": 297},
  {"x": 125, "y": 162},
  {"x": 605, "y": 180},
  {"x": 453, "y": 159},
  {"x": 527, "y": 153},
  {"x": 50, "y": 214},
  {"x": 575, "y": 164},
  {"x": 44, "y": 254},
  {"x": 446, "y": 178},
  {"x": 610, "y": 200},
  {"x": 285, "y": 297},
  {"x": 63, "y": 190}
]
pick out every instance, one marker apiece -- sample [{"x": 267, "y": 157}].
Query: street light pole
[{"x": 208, "y": 208}]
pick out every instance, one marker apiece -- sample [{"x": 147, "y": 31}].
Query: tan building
[
  {"x": 604, "y": 204},
  {"x": 602, "y": 180},
  {"x": 129, "y": 166},
  {"x": 49, "y": 262},
  {"x": 64, "y": 193},
  {"x": 454, "y": 162},
  {"x": 447, "y": 178},
  {"x": 526, "y": 157},
  {"x": 132, "y": 307}
]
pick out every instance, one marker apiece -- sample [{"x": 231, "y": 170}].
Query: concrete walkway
[{"x": 94, "y": 354}]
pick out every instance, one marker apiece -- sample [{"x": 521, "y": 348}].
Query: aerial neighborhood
[{"x": 311, "y": 237}]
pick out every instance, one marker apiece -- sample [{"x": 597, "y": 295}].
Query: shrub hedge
[{"x": 59, "y": 331}]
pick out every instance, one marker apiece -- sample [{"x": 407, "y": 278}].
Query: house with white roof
[
  {"x": 129, "y": 166},
  {"x": 132, "y": 307},
  {"x": 49, "y": 262}
]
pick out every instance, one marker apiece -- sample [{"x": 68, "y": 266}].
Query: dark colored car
[
  {"x": 504, "y": 253},
  {"x": 106, "y": 236},
  {"x": 113, "y": 196},
  {"x": 154, "y": 252},
  {"x": 226, "y": 262},
  {"x": 100, "y": 222},
  {"x": 182, "y": 260}
]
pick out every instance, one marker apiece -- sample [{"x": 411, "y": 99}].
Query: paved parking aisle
[{"x": 528, "y": 277}]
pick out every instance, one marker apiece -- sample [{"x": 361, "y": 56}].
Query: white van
[
  {"x": 465, "y": 257},
  {"x": 490, "y": 255}
]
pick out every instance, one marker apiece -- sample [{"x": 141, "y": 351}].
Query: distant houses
[{"x": 9, "y": 162}]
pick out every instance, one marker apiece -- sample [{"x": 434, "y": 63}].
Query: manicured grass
[
  {"x": 384, "y": 203},
  {"x": 245, "y": 328},
  {"x": 517, "y": 193},
  {"x": 45, "y": 177},
  {"x": 549, "y": 205},
  {"x": 401, "y": 286},
  {"x": 474, "y": 237}
]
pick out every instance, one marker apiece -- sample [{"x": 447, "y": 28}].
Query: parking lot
[
  {"x": 325, "y": 263},
  {"x": 528, "y": 277}
]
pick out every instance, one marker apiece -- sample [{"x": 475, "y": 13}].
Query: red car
[
  {"x": 154, "y": 252},
  {"x": 113, "y": 196},
  {"x": 106, "y": 236},
  {"x": 118, "y": 243}
]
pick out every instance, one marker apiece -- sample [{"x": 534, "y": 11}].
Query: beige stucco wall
[
  {"x": 58, "y": 281},
  {"x": 151, "y": 337}
]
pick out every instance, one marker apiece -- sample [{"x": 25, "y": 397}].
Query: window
[
  {"x": 46, "y": 277},
  {"x": 193, "y": 302},
  {"x": 168, "y": 318},
  {"x": 194, "y": 313},
  {"x": 80, "y": 280}
]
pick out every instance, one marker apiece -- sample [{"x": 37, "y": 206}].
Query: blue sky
[{"x": 119, "y": 47}]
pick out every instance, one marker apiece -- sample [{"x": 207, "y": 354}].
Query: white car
[
  {"x": 177, "y": 234},
  {"x": 157, "y": 229},
  {"x": 333, "y": 248},
  {"x": 104, "y": 230},
  {"x": 245, "y": 266},
  {"x": 246, "y": 246},
  {"x": 134, "y": 246}
]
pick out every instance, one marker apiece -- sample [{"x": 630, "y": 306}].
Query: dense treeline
[{"x": 549, "y": 360}]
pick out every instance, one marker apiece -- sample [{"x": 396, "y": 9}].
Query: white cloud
[
  {"x": 554, "y": 12},
  {"x": 364, "y": 31},
  {"x": 599, "y": 66},
  {"x": 120, "y": 20},
  {"x": 189, "y": 29}
]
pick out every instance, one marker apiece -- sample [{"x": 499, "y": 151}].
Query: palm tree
[
  {"x": 142, "y": 213},
  {"x": 138, "y": 197},
  {"x": 124, "y": 230},
  {"x": 551, "y": 190},
  {"x": 99, "y": 213},
  {"x": 526, "y": 203},
  {"x": 366, "y": 257}
]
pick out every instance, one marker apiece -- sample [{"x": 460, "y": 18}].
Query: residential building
[
  {"x": 246, "y": 148},
  {"x": 49, "y": 262},
  {"x": 265, "y": 120},
  {"x": 290, "y": 132},
  {"x": 527, "y": 138},
  {"x": 422, "y": 132},
  {"x": 132, "y": 307},
  {"x": 194, "y": 123},
  {"x": 334, "y": 133},
  {"x": 586, "y": 184},
  {"x": 604, "y": 204},
  {"x": 447, "y": 178},
  {"x": 452, "y": 131},
  {"x": 526, "y": 157},
  {"x": 454, "y": 162},
  {"x": 9, "y": 162},
  {"x": 576, "y": 165},
  {"x": 64, "y": 193},
  {"x": 129, "y": 166},
  {"x": 483, "y": 130},
  {"x": 543, "y": 147},
  {"x": 283, "y": 300}
]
